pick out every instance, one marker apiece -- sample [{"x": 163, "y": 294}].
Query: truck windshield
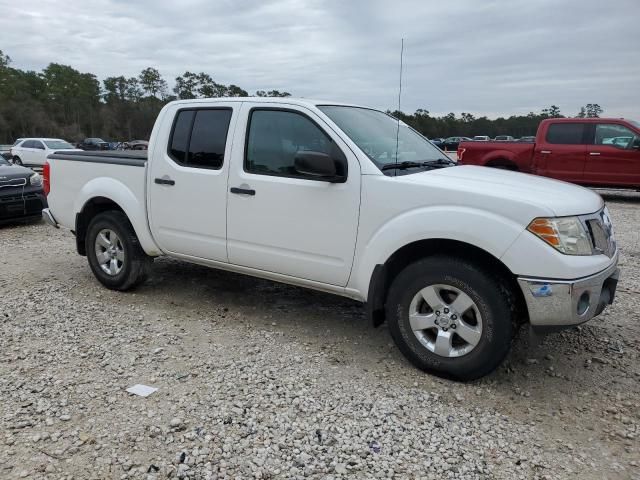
[{"x": 375, "y": 133}]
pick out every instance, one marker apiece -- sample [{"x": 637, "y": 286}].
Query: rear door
[
  {"x": 27, "y": 152},
  {"x": 279, "y": 220},
  {"x": 38, "y": 154},
  {"x": 613, "y": 157},
  {"x": 562, "y": 153},
  {"x": 187, "y": 184}
]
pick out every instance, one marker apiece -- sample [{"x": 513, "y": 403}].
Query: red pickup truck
[{"x": 598, "y": 152}]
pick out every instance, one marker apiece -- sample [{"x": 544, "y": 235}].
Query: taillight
[
  {"x": 46, "y": 176},
  {"x": 461, "y": 153}
]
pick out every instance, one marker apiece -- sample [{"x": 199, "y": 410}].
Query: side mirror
[
  {"x": 636, "y": 143},
  {"x": 319, "y": 165}
]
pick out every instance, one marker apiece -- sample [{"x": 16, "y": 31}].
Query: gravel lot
[{"x": 261, "y": 380}]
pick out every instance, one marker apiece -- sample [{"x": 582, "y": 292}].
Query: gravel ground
[{"x": 261, "y": 380}]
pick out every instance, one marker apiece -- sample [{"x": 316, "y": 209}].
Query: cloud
[{"x": 487, "y": 58}]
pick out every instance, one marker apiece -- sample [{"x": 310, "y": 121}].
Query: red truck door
[
  {"x": 561, "y": 151},
  {"x": 613, "y": 156}
]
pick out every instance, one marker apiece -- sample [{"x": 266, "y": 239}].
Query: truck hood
[{"x": 478, "y": 184}]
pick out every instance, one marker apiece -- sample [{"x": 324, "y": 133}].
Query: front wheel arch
[{"x": 384, "y": 274}]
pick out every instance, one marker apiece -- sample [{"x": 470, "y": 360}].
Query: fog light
[{"x": 583, "y": 303}]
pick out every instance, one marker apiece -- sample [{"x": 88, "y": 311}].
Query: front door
[
  {"x": 279, "y": 220},
  {"x": 613, "y": 157},
  {"x": 187, "y": 184},
  {"x": 561, "y": 154}
]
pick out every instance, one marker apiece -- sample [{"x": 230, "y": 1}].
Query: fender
[
  {"x": 485, "y": 230},
  {"x": 498, "y": 154},
  {"x": 119, "y": 193}
]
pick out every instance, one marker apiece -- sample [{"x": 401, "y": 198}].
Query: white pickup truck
[{"x": 346, "y": 200}]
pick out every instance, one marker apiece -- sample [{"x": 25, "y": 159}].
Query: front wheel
[
  {"x": 114, "y": 252},
  {"x": 17, "y": 161},
  {"x": 450, "y": 317}
]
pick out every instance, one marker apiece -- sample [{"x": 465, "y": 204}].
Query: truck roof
[
  {"x": 305, "y": 102},
  {"x": 586, "y": 120}
]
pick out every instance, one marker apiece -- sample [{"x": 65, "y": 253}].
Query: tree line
[
  {"x": 60, "y": 101},
  {"x": 467, "y": 125}
]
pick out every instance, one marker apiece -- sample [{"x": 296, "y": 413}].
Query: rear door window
[
  {"x": 566, "y": 133},
  {"x": 199, "y": 137}
]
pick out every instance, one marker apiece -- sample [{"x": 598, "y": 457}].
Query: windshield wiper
[{"x": 440, "y": 162}]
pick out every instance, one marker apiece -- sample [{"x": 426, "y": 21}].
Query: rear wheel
[
  {"x": 450, "y": 317},
  {"x": 114, "y": 253}
]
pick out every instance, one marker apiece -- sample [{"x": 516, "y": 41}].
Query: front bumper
[
  {"x": 27, "y": 203},
  {"x": 555, "y": 304}
]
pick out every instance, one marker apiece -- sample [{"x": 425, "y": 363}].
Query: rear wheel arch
[
  {"x": 90, "y": 209},
  {"x": 503, "y": 163},
  {"x": 384, "y": 274}
]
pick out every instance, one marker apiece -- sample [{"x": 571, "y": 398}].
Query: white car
[
  {"x": 33, "y": 152},
  {"x": 481, "y": 138},
  {"x": 346, "y": 200}
]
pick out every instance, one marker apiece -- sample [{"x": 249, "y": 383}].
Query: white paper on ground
[{"x": 141, "y": 390}]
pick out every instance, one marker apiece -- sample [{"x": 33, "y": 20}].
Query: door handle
[
  {"x": 242, "y": 191},
  {"x": 595, "y": 154},
  {"x": 546, "y": 152},
  {"x": 164, "y": 181}
]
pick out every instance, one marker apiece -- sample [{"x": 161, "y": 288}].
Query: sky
[{"x": 493, "y": 58}]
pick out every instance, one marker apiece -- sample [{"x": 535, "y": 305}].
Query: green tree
[
  {"x": 593, "y": 110},
  {"x": 152, "y": 83},
  {"x": 272, "y": 93},
  {"x": 552, "y": 112},
  {"x": 5, "y": 60}
]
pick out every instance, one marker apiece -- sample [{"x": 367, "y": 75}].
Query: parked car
[
  {"x": 34, "y": 151},
  {"x": 5, "y": 152},
  {"x": 437, "y": 142},
  {"x": 345, "y": 200},
  {"x": 503, "y": 138},
  {"x": 527, "y": 139},
  {"x": 452, "y": 143},
  {"x": 93, "y": 144},
  {"x": 481, "y": 138},
  {"x": 138, "y": 145},
  {"x": 21, "y": 193},
  {"x": 578, "y": 150}
]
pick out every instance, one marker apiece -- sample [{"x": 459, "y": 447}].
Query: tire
[
  {"x": 131, "y": 262},
  {"x": 17, "y": 161},
  {"x": 442, "y": 347}
]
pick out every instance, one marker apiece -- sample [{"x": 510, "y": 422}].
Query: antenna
[{"x": 399, "y": 104}]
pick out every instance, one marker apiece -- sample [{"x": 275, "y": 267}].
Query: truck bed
[
  {"x": 136, "y": 158},
  {"x": 511, "y": 155},
  {"x": 77, "y": 177}
]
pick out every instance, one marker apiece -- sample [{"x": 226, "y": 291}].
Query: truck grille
[
  {"x": 601, "y": 231},
  {"x": 14, "y": 182}
]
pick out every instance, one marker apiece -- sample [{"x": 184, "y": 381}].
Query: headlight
[
  {"x": 35, "y": 180},
  {"x": 565, "y": 234}
]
